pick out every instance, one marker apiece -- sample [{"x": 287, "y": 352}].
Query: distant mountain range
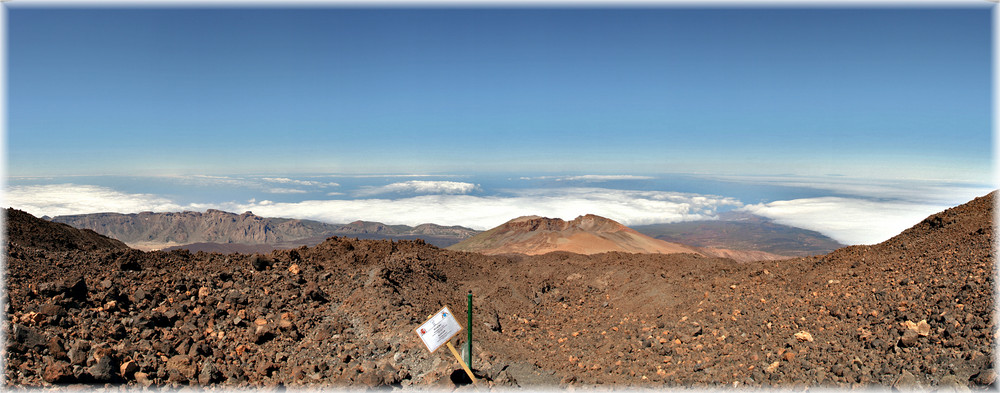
[
  {"x": 216, "y": 230},
  {"x": 744, "y": 231},
  {"x": 739, "y": 236}
]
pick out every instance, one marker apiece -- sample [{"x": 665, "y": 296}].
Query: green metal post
[{"x": 468, "y": 348}]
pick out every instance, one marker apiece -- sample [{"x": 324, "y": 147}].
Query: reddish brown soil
[{"x": 345, "y": 314}]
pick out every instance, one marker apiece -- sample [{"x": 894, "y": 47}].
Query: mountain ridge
[{"x": 149, "y": 230}]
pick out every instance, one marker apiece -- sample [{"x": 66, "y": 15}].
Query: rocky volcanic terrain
[
  {"x": 216, "y": 230},
  {"x": 914, "y": 311}
]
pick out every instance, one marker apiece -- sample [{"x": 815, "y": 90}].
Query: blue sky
[
  {"x": 758, "y": 90},
  {"x": 643, "y": 114}
]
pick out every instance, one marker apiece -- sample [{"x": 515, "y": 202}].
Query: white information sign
[{"x": 439, "y": 329}]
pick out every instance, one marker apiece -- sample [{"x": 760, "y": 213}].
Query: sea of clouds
[{"x": 855, "y": 212}]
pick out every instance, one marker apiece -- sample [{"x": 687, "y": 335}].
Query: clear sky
[
  {"x": 855, "y": 122},
  {"x": 897, "y": 92}
]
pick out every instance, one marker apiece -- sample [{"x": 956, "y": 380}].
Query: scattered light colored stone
[
  {"x": 129, "y": 367},
  {"x": 294, "y": 269},
  {"x": 204, "y": 291},
  {"x": 32, "y": 317},
  {"x": 906, "y": 381},
  {"x": 923, "y": 328},
  {"x": 804, "y": 336},
  {"x": 951, "y": 383},
  {"x": 773, "y": 367},
  {"x": 143, "y": 379}
]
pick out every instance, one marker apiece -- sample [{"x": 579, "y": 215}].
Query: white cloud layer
[
  {"x": 280, "y": 190},
  {"x": 484, "y": 212},
  {"x": 306, "y": 183},
  {"x": 848, "y": 220},
  {"x": 419, "y": 187},
  {"x": 935, "y": 192},
  {"x": 479, "y": 212},
  {"x": 883, "y": 212},
  {"x": 605, "y": 177},
  {"x": 590, "y": 178},
  {"x": 265, "y": 184},
  {"x": 865, "y": 211},
  {"x": 64, "y": 199}
]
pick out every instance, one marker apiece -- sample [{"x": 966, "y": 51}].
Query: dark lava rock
[
  {"x": 909, "y": 339},
  {"x": 102, "y": 370},
  {"x": 129, "y": 264},
  {"x": 52, "y": 310},
  {"x": 25, "y": 338},
  {"x": 313, "y": 292},
  {"x": 74, "y": 287},
  {"x": 259, "y": 263},
  {"x": 56, "y": 348},
  {"x": 140, "y": 294}
]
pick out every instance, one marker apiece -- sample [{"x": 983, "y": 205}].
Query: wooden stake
[{"x": 461, "y": 362}]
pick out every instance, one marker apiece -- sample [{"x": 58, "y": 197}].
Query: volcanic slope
[
  {"x": 588, "y": 234},
  {"x": 25, "y": 230},
  {"x": 914, "y": 311}
]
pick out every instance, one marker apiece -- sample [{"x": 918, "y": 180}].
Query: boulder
[
  {"x": 259, "y": 263},
  {"x": 102, "y": 370},
  {"x": 58, "y": 372},
  {"x": 181, "y": 368},
  {"x": 26, "y": 338}
]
